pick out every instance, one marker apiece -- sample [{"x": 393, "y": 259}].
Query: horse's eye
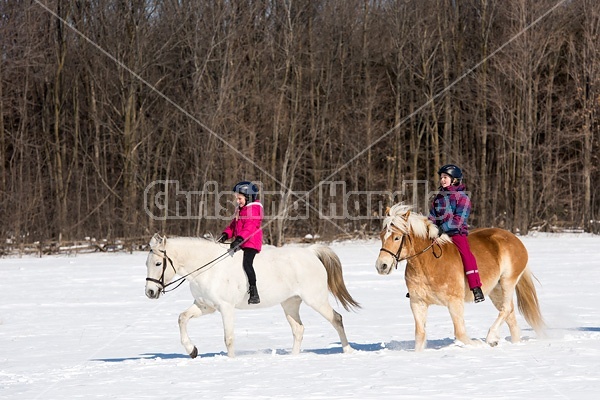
[
  {"x": 158, "y": 264},
  {"x": 397, "y": 238}
]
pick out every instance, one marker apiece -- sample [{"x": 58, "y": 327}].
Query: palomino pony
[
  {"x": 285, "y": 276},
  {"x": 435, "y": 275}
]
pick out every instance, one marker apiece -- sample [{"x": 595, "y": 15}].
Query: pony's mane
[
  {"x": 406, "y": 221},
  {"x": 191, "y": 239},
  {"x": 184, "y": 239}
]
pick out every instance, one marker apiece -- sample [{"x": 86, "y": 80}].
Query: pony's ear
[
  {"x": 157, "y": 241},
  {"x": 387, "y": 211},
  {"x": 405, "y": 216}
]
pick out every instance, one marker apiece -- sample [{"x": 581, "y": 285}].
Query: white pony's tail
[{"x": 335, "y": 279}]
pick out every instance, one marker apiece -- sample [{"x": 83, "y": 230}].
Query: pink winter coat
[{"x": 247, "y": 224}]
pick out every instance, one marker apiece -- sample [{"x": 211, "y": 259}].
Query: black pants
[{"x": 248, "y": 267}]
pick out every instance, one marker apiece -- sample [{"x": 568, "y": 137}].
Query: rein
[
  {"x": 181, "y": 279},
  {"x": 397, "y": 254}
]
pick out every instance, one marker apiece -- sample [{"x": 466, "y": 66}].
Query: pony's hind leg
[
  {"x": 513, "y": 326},
  {"x": 335, "y": 319},
  {"x": 195, "y": 310},
  {"x": 227, "y": 315},
  {"x": 506, "y": 308},
  {"x": 291, "y": 308}
]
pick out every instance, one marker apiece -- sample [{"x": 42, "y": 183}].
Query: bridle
[
  {"x": 397, "y": 257},
  {"x": 397, "y": 254},
  {"x": 161, "y": 281},
  {"x": 179, "y": 281}
]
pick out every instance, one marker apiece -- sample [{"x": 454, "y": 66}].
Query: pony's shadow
[
  {"x": 587, "y": 329},
  {"x": 336, "y": 348},
  {"x": 403, "y": 345},
  {"x": 393, "y": 345},
  {"x": 144, "y": 356}
]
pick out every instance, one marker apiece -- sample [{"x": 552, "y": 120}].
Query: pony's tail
[
  {"x": 528, "y": 303},
  {"x": 335, "y": 279}
]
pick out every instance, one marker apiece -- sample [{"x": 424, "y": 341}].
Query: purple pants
[{"x": 469, "y": 262}]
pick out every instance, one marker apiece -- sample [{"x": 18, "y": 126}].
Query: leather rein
[
  {"x": 181, "y": 279},
  {"x": 397, "y": 254}
]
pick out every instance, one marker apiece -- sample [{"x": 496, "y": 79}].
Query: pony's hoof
[
  {"x": 194, "y": 352},
  {"x": 492, "y": 340},
  {"x": 347, "y": 349}
]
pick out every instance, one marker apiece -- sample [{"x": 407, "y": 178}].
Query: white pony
[{"x": 285, "y": 276}]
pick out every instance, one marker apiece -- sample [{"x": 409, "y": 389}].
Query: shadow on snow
[
  {"x": 145, "y": 356},
  {"x": 588, "y": 329},
  {"x": 393, "y": 345}
]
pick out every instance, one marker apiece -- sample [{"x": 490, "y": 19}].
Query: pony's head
[
  {"x": 399, "y": 225},
  {"x": 160, "y": 268}
]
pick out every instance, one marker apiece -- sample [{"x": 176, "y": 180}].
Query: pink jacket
[{"x": 247, "y": 224}]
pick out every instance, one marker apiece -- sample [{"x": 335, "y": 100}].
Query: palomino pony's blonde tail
[
  {"x": 335, "y": 279},
  {"x": 528, "y": 303}
]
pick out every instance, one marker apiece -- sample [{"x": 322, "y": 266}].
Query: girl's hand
[{"x": 235, "y": 245}]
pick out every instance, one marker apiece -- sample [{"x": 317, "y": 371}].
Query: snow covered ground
[{"x": 81, "y": 327}]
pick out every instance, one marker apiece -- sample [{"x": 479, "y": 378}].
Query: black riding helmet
[
  {"x": 451, "y": 170},
  {"x": 248, "y": 189}
]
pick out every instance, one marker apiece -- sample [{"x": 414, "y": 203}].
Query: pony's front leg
[
  {"x": 194, "y": 311},
  {"x": 227, "y": 314},
  {"x": 456, "y": 307},
  {"x": 419, "y": 310}
]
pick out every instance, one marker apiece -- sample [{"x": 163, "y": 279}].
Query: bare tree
[{"x": 290, "y": 93}]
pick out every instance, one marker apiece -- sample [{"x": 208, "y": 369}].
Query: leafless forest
[{"x": 122, "y": 118}]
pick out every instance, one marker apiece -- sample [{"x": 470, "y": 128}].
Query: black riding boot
[
  {"x": 478, "y": 295},
  {"x": 254, "y": 299}
]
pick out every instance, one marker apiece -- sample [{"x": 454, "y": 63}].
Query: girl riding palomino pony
[
  {"x": 434, "y": 273},
  {"x": 450, "y": 211}
]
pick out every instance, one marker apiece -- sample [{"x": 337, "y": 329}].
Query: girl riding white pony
[{"x": 290, "y": 276}]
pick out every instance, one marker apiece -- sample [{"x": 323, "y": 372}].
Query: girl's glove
[
  {"x": 222, "y": 238},
  {"x": 235, "y": 245}
]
